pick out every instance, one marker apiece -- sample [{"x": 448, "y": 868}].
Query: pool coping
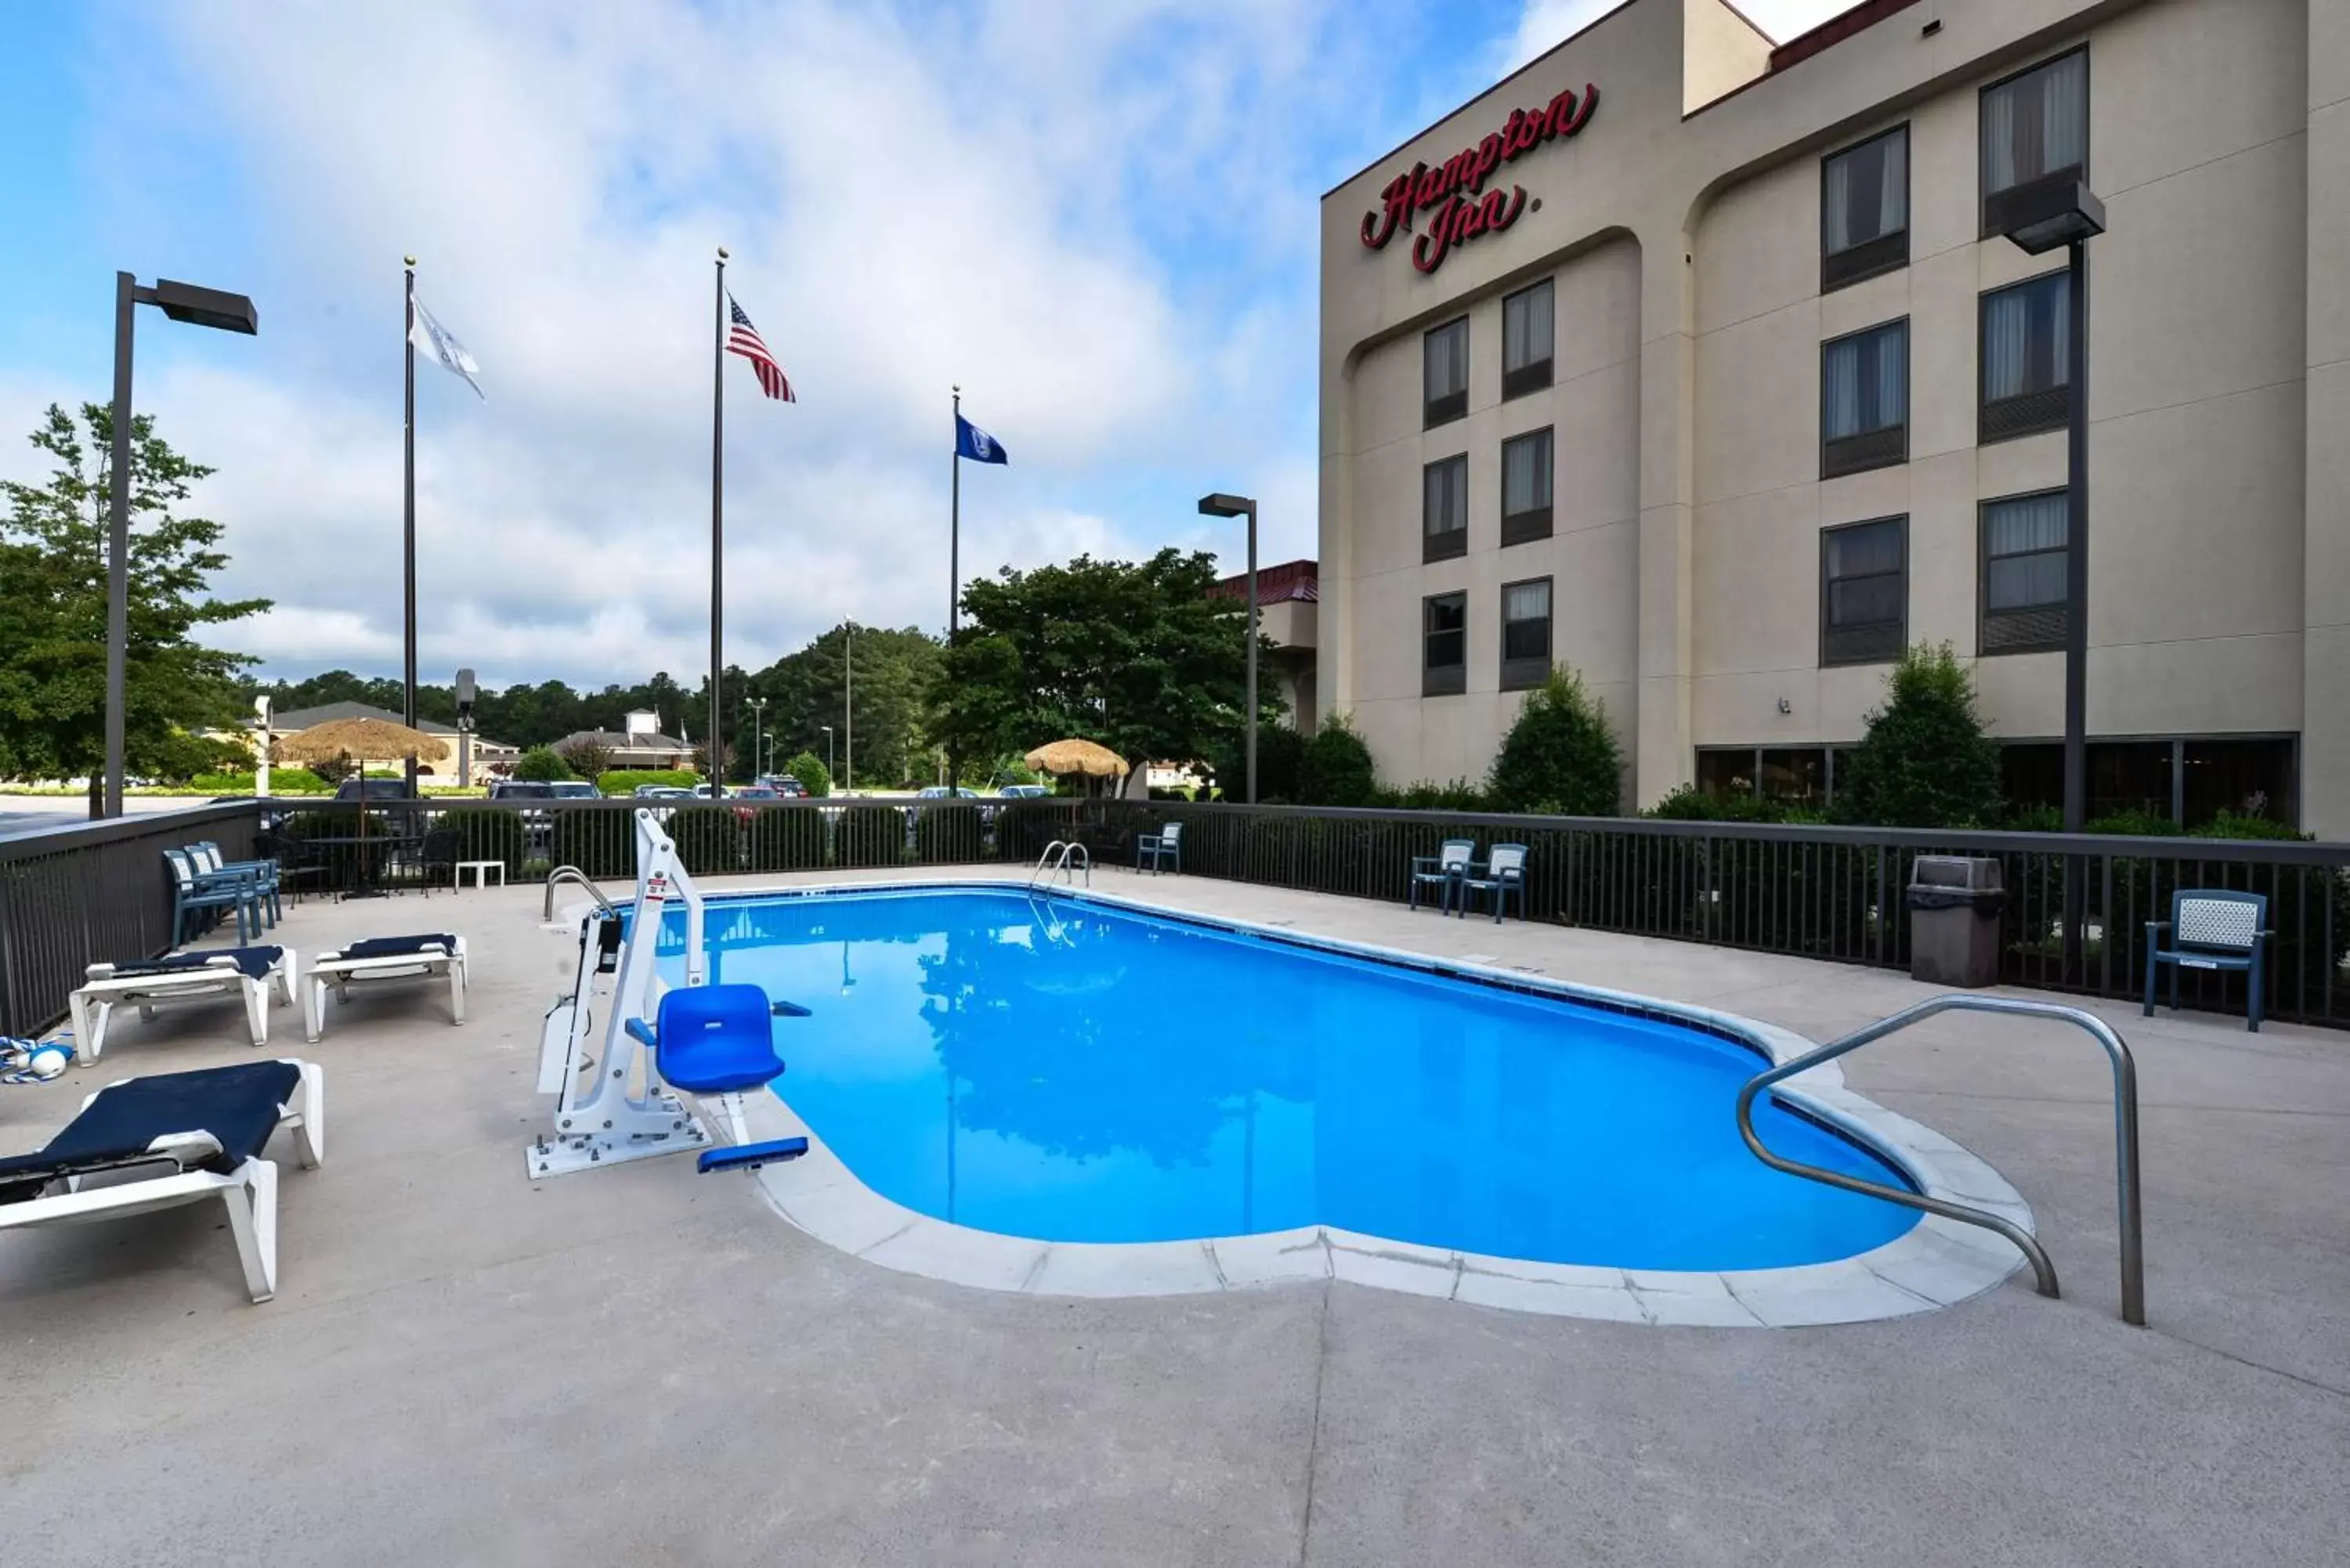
[{"x": 1937, "y": 1263}]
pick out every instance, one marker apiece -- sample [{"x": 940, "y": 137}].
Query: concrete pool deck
[{"x": 641, "y": 1365}]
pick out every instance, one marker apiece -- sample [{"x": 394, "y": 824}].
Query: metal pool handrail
[
  {"x": 1056, "y": 857},
  {"x": 571, "y": 874},
  {"x": 2133, "y": 1260}
]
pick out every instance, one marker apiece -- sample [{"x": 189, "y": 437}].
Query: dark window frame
[
  {"x": 1753, "y": 757},
  {"x": 1449, "y": 543},
  {"x": 1992, "y": 226},
  {"x": 1452, "y": 405},
  {"x": 2021, "y": 414},
  {"x": 1529, "y": 671},
  {"x": 1535, "y": 374},
  {"x": 1875, "y": 653},
  {"x": 1534, "y": 523},
  {"x": 1984, "y": 612},
  {"x": 1443, "y": 680},
  {"x": 1872, "y": 257},
  {"x": 1888, "y": 446}
]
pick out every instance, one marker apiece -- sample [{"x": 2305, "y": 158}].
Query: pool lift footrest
[{"x": 750, "y": 1154}]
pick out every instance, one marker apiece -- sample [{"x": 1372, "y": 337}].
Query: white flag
[{"x": 442, "y": 344}]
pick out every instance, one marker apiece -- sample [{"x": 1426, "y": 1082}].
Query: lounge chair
[
  {"x": 1159, "y": 850},
  {"x": 183, "y": 1138},
  {"x": 1441, "y": 870},
  {"x": 380, "y": 959},
  {"x": 2215, "y": 930},
  {"x": 1503, "y": 873},
  {"x": 197, "y": 899},
  {"x": 172, "y": 981}
]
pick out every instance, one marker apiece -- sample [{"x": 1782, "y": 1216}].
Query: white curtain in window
[
  {"x": 1892, "y": 377},
  {"x": 2025, "y": 539},
  {"x": 1837, "y": 194},
  {"x": 1842, "y": 366},
  {"x": 2007, "y": 344},
  {"x": 2064, "y": 113},
  {"x": 1892, "y": 185},
  {"x": 2060, "y": 330},
  {"x": 1999, "y": 137},
  {"x": 1446, "y": 501},
  {"x": 1866, "y": 192},
  {"x": 1525, "y": 473},
  {"x": 2036, "y": 124},
  {"x": 1448, "y": 360},
  {"x": 1526, "y": 601},
  {"x": 1527, "y": 324},
  {"x": 1868, "y": 383}
]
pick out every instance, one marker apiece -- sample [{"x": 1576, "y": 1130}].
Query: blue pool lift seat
[
  {"x": 720, "y": 1040},
  {"x": 2214, "y": 929}
]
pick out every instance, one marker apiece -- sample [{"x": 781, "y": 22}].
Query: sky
[{"x": 1099, "y": 217}]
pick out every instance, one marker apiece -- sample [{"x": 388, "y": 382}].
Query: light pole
[
  {"x": 2071, "y": 215},
  {"x": 180, "y": 302},
  {"x": 758, "y": 734},
  {"x": 848, "y": 701},
  {"x": 830, "y": 760},
  {"x": 1222, "y": 505}
]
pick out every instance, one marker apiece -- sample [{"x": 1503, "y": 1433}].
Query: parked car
[
  {"x": 941, "y": 792},
  {"x": 756, "y": 791},
  {"x": 1024, "y": 792},
  {"x": 577, "y": 789},
  {"x": 792, "y": 787},
  {"x": 663, "y": 792},
  {"x": 377, "y": 789}
]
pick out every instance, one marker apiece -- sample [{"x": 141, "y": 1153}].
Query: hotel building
[{"x": 1706, "y": 368}]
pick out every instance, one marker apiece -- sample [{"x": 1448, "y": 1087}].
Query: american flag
[{"x": 742, "y": 338}]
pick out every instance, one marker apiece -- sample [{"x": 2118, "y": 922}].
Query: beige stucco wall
[{"x": 2220, "y": 318}]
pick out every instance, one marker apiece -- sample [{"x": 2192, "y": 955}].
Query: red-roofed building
[{"x": 1286, "y": 597}]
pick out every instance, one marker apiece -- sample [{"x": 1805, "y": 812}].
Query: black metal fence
[{"x": 73, "y": 895}]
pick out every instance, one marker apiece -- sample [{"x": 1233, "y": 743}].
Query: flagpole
[
  {"x": 714, "y": 744},
  {"x": 954, "y": 528},
  {"x": 408, "y": 521}
]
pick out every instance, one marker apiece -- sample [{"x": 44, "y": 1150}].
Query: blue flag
[{"x": 976, "y": 444}]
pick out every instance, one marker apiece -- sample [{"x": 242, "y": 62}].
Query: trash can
[{"x": 1955, "y": 901}]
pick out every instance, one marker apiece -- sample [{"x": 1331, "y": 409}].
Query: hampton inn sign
[{"x": 1457, "y": 186}]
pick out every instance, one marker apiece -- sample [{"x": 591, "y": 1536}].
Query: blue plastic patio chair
[
  {"x": 1441, "y": 870},
  {"x": 197, "y": 901},
  {"x": 1503, "y": 873},
  {"x": 1159, "y": 850},
  {"x": 260, "y": 874},
  {"x": 2212, "y": 929}
]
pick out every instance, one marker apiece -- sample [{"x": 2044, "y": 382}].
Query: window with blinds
[
  {"x": 1525, "y": 487},
  {"x": 1444, "y": 645},
  {"x": 1525, "y": 634},
  {"x": 1528, "y": 329},
  {"x": 2035, "y": 134},
  {"x": 1444, "y": 509},
  {"x": 2026, "y": 570},
  {"x": 1444, "y": 373},
  {"x": 1865, "y": 400},
  {"x": 1864, "y": 592},
  {"x": 1864, "y": 210},
  {"x": 2026, "y": 372}
]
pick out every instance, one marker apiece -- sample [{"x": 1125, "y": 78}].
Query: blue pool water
[{"x": 1064, "y": 1071}]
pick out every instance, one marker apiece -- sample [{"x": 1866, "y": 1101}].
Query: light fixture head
[
  {"x": 1222, "y": 505},
  {"x": 205, "y": 307},
  {"x": 2060, "y": 216}
]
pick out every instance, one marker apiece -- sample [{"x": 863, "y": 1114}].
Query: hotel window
[
  {"x": 1865, "y": 400},
  {"x": 1525, "y": 634},
  {"x": 1444, "y": 645},
  {"x": 2026, "y": 375},
  {"x": 1526, "y": 332},
  {"x": 1864, "y": 592},
  {"x": 2035, "y": 133},
  {"x": 1864, "y": 210},
  {"x": 1444, "y": 509},
  {"x": 1445, "y": 374},
  {"x": 1525, "y": 487},
  {"x": 2027, "y": 545}
]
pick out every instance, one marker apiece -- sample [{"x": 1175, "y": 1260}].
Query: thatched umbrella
[
  {"x": 1078, "y": 757},
  {"x": 364, "y": 741}
]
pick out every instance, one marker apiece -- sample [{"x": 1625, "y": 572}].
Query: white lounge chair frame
[
  {"x": 249, "y": 1192},
  {"x": 102, "y": 991},
  {"x": 331, "y": 969}
]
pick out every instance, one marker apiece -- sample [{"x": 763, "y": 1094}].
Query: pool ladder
[
  {"x": 2125, "y": 1182},
  {"x": 1067, "y": 856}
]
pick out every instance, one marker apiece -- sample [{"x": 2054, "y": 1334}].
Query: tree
[
  {"x": 808, "y": 689},
  {"x": 809, "y": 769},
  {"x": 1924, "y": 761},
  {"x": 1134, "y": 655},
  {"x": 1336, "y": 767},
  {"x": 541, "y": 765},
  {"x": 586, "y": 759},
  {"x": 53, "y": 609},
  {"x": 1560, "y": 758},
  {"x": 1280, "y": 766}
]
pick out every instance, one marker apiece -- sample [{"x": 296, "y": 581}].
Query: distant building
[
  {"x": 1287, "y": 596},
  {"x": 488, "y": 754},
  {"x": 639, "y": 744}
]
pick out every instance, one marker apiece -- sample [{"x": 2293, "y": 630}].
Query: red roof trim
[{"x": 1834, "y": 31}]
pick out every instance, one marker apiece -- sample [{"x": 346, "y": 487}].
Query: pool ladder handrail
[
  {"x": 571, "y": 874},
  {"x": 2125, "y": 1177},
  {"x": 1066, "y": 856}
]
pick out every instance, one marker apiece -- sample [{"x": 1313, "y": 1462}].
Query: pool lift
[{"x": 701, "y": 1038}]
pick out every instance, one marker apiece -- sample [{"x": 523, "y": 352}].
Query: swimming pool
[{"x": 1066, "y": 1070}]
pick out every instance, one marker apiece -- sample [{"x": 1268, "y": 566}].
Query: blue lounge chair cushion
[
  {"x": 237, "y": 1106},
  {"x": 398, "y": 946},
  {"x": 254, "y": 963},
  {"x": 717, "y": 1039}
]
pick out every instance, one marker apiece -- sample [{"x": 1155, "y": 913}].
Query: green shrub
[
  {"x": 602, "y": 843},
  {"x": 540, "y": 765},
  {"x": 1458, "y": 794},
  {"x": 809, "y": 769},
  {"x": 1560, "y": 758},
  {"x": 282, "y": 781},
  {"x": 1280, "y": 765},
  {"x": 489, "y": 833},
  {"x": 1687, "y": 803},
  {"x": 870, "y": 836},
  {"x": 620, "y": 782},
  {"x": 1924, "y": 761},
  {"x": 1336, "y": 769},
  {"x": 708, "y": 839},
  {"x": 787, "y": 839}
]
